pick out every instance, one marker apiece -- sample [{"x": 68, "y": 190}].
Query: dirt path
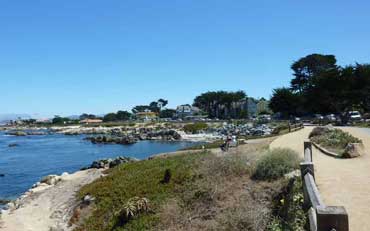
[
  {"x": 49, "y": 208},
  {"x": 344, "y": 182}
]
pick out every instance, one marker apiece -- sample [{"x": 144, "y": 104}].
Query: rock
[
  {"x": 64, "y": 174},
  {"x": 118, "y": 161},
  {"x": 354, "y": 150},
  {"x": 4, "y": 201},
  {"x": 36, "y": 133},
  {"x": 51, "y": 179},
  {"x": 16, "y": 133},
  {"x": 10, "y": 206},
  {"x": 36, "y": 185},
  {"x": 110, "y": 163},
  {"x": 87, "y": 200},
  {"x": 13, "y": 145}
]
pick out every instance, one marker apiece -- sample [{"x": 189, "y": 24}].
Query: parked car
[
  {"x": 354, "y": 116},
  {"x": 331, "y": 118},
  {"x": 319, "y": 117}
]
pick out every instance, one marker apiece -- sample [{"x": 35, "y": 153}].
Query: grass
[
  {"x": 334, "y": 140},
  {"x": 211, "y": 145},
  {"x": 276, "y": 163},
  {"x": 131, "y": 180},
  {"x": 198, "y": 191}
]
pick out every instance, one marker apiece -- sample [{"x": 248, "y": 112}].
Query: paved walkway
[{"x": 342, "y": 182}]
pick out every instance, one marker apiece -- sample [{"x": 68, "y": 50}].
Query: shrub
[
  {"x": 333, "y": 139},
  {"x": 280, "y": 128},
  {"x": 195, "y": 128},
  {"x": 275, "y": 164},
  {"x": 318, "y": 131}
]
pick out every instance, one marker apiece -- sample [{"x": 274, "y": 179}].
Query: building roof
[{"x": 91, "y": 121}]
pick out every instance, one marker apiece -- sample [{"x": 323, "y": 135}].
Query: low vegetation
[
  {"x": 210, "y": 145},
  {"x": 288, "y": 212},
  {"x": 195, "y": 127},
  {"x": 275, "y": 164},
  {"x": 332, "y": 139},
  {"x": 194, "y": 191}
]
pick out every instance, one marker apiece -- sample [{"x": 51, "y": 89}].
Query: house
[
  {"x": 251, "y": 107},
  {"x": 91, "y": 121},
  {"x": 186, "y": 111},
  {"x": 44, "y": 120},
  {"x": 263, "y": 106},
  {"x": 146, "y": 115}
]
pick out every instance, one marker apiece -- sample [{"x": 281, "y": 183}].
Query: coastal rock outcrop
[
  {"x": 26, "y": 133},
  {"x": 126, "y": 140},
  {"x": 110, "y": 163},
  {"x": 16, "y": 133},
  {"x": 118, "y": 136}
]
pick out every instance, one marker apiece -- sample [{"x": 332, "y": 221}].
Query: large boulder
[
  {"x": 354, "y": 150},
  {"x": 51, "y": 179}
]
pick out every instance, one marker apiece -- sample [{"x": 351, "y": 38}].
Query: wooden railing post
[
  {"x": 321, "y": 217},
  {"x": 332, "y": 218},
  {"x": 308, "y": 150}
]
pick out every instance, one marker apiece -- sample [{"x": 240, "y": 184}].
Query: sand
[
  {"x": 342, "y": 182},
  {"x": 48, "y": 208}
]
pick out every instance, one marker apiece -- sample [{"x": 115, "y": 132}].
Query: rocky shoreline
[
  {"x": 52, "y": 180},
  {"x": 116, "y": 135},
  {"x": 52, "y": 199}
]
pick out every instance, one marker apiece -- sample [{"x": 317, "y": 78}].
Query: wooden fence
[
  {"x": 295, "y": 126},
  {"x": 321, "y": 217}
]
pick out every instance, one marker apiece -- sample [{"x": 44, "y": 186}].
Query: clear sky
[{"x": 68, "y": 57}]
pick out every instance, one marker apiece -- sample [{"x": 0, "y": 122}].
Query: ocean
[{"x": 38, "y": 156}]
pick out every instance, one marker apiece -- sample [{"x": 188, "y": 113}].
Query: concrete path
[{"x": 342, "y": 182}]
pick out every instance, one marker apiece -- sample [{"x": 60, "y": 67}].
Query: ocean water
[{"x": 38, "y": 156}]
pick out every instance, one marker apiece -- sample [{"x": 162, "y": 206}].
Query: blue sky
[{"x": 69, "y": 57}]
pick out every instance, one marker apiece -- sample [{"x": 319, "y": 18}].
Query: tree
[
  {"x": 306, "y": 68},
  {"x": 60, "y": 120},
  {"x": 162, "y": 103},
  {"x": 167, "y": 113},
  {"x": 87, "y": 116},
  {"x": 123, "y": 115},
  {"x": 220, "y": 104},
  {"x": 110, "y": 117},
  {"x": 283, "y": 100}
]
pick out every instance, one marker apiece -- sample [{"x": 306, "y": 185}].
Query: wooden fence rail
[{"x": 321, "y": 217}]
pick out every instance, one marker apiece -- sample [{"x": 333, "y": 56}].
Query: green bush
[
  {"x": 279, "y": 128},
  {"x": 275, "y": 164},
  {"x": 195, "y": 128},
  {"x": 333, "y": 139}
]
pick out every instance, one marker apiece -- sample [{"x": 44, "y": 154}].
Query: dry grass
[
  {"x": 206, "y": 191},
  {"x": 223, "y": 197}
]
